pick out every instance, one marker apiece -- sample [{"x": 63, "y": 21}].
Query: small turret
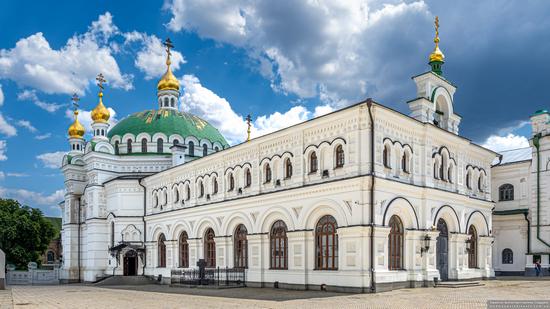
[
  {"x": 540, "y": 122},
  {"x": 168, "y": 87},
  {"x": 436, "y": 57},
  {"x": 100, "y": 114},
  {"x": 76, "y": 131}
]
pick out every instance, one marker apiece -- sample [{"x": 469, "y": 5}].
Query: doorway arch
[{"x": 130, "y": 263}]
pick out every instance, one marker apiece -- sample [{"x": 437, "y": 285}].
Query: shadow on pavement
[{"x": 241, "y": 293}]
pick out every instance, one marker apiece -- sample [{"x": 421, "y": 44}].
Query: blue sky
[{"x": 281, "y": 61}]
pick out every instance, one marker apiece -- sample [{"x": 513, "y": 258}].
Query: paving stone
[{"x": 155, "y": 296}]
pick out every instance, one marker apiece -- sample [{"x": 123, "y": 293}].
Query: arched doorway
[
  {"x": 130, "y": 263},
  {"x": 442, "y": 249}
]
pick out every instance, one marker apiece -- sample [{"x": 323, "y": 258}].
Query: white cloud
[
  {"x": 6, "y": 128},
  {"x": 151, "y": 58},
  {"x": 85, "y": 118},
  {"x": 335, "y": 50},
  {"x": 33, "y": 62},
  {"x": 322, "y": 110},
  {"x": 3, "y": 150},
  {"x": 52, "y": 159},
  {"x": 2, "y": 175},
  {"x": 43, "y": 136},
  {"x": 33, "y": 198},
  {"x": 206, "y": 104},
  {"x": 17, "y": 175},
  {"x": 1, "y": 96},
  {"x": 510, "y": 141},
  {"x": 30, "y": 95},
  {"x": 27, "y": 125}
]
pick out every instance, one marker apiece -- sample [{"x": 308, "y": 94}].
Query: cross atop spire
[
  {"x": 100, "y": 80},
  {"x": 75, "y": 100},
  {"x": 436, "y": 57},
  {"x": 168, "y": 44},
  {"x": 248, "y": 121},
  {"x": 436, "y": 39}
]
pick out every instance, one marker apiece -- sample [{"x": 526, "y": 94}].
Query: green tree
[{"x": 24, "y": 232}]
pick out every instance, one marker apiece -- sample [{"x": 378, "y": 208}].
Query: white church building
[
  {"x": 521, "y": 221},
  {"x": 362, "y": 199}
]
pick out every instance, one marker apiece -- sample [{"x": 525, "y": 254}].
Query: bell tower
[
  {"x": 435, "y": 94},
  {"x": 168, "y": 87},
  {"x": 76, "y": 131}
]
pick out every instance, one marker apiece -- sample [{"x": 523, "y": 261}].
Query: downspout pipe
[
  {"x": 79, "y": 249},
  {"x": 371, "y": 199},
  {"x": 528, "y": 232},
  {"x": 536, "y": 143},
  {"x": 144, "y": 226}
]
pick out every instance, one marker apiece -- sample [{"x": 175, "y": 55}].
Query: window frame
[
  {"x": 326, "y": 243},
  {"x": 395, "y": 243},
  {"x": 278, "y": 239}
]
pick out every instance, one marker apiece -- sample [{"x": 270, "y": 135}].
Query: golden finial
[
  {"x": 76, "y": 129},
  {"x": 436, "y": 57},
  {"x": 100, "y": 113},
  {"x": 248, "y": 120},
  {"x": 168, "y": 81}
]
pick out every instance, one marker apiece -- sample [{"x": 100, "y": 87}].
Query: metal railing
[{"x": 209, "y": 276}]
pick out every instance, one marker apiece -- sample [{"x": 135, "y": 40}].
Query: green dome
[{"x": 168, "y": 122}]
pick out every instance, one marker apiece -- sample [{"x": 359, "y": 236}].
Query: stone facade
[{"x": 363, "y": 166}]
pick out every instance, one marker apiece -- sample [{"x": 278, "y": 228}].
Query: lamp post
[{"x": 425, "y": 244}]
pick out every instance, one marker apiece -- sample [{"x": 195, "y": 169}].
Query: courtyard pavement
[{"x": 155, "y": 296}]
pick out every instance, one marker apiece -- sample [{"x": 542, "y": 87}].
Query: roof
[
  {"x": 514, "y": 156},
  {"x": 168, "y": 122},
  {"x": 56, "y": 223},
  {"x": 519, "y": 211}
]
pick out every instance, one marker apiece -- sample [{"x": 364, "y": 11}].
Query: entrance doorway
[
  {"x": 130, "y": 263},
  {"x": 443, "y": 249}
]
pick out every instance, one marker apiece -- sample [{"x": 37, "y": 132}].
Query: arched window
[
  {"x": 210, "y": 248},
  {"x": 436, "y": 170},
  {"x": 144, "y": 145},
  {"x": 214, "y": 186},
  {"x": 162, "y": 251},
  {"x": 288, "y": 168},
  {"x": 326, "y": 244},
  {"x": 247, "y": 178},
  {"x": 201, "y": 189},
  {"x": 313, "y": 166},
  {"x": 339, "y": 156},
  {"x": 216, "y": 149},
  {"x": 240, "y": 244},
  {"x": 506, "y": 192},
  {"x": 191, "y": 149},
  {"x": 50, "y": 257},
  {"x": 480, "y": 182},
  {"x": 172, "y": 102},
  {"x": 507, "y": 256},
  {"x": 176, "y": 195},
  {"x": 472, "y": 247},
  {"x": 116, "y": 147},
  {"x": 204, "y": 150},
  {"x": 468, "y": 180},
  {"x": 231, "y": 182},
  {"x": 386, "y": 156},
  {"x": 175, "y": 142},
  {"x": 395, "y": 244},
  {"x": 188, "y": 192},
  {"x": 165, "y": 101},
  {"x": 450, "y": 173},
  {"x": 184, "y": 250},
  {"x": 160, "y": 145},
  {"x": 267, "y": 170},
  {"x": 278, "y": 245},
  {"x": 405, "y": 162},
  {"x": 129, "y": 143}
]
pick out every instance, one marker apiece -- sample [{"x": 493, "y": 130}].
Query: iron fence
[{"x": 209, "y": 276}]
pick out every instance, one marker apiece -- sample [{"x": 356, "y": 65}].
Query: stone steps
[
  {"x": 126, "y": 280},
  {"x": 458, "y": 284}
]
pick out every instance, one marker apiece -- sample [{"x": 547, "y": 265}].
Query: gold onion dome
[
  {"x": 100, "y": 113},
  {"x": 437, "y": 55},
  {"x": 168, "y": 80},
  {"x": 76, "y": 130}
]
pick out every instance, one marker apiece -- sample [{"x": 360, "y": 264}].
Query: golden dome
[
  {"x": 437, "y": 55},
  {"x": 100, "y": 113},
  {"x": 168, "y": 81},
  {"x": 76, "y": 130}
]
